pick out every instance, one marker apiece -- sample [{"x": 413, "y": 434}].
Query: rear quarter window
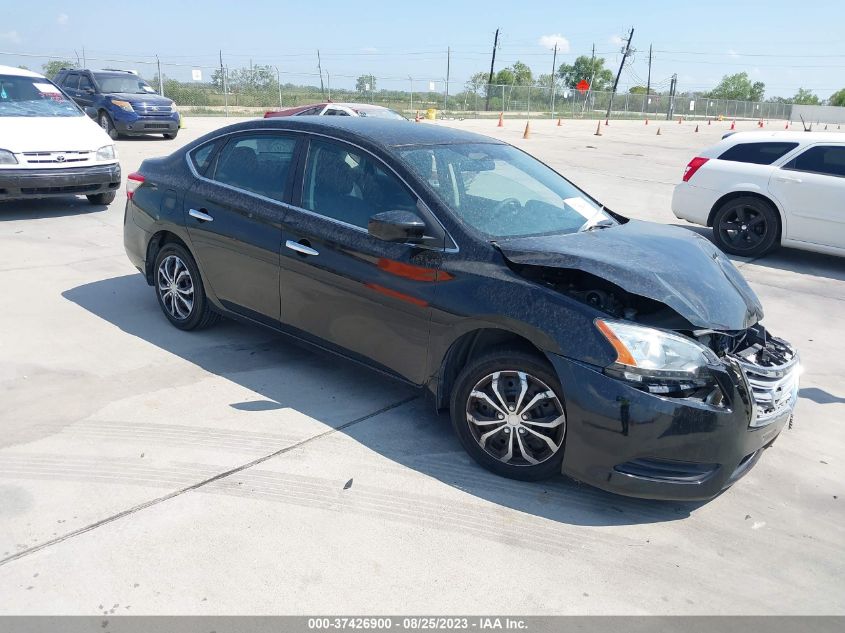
[
  {"x": 757, "y": 153},
  {"x": 201, "y": 157}
]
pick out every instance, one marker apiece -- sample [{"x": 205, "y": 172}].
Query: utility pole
[
  {"x": 160, "y": 82},
  {"x": 320, "y": 69},
  {"x": 279, "y": 84},
  {"x": 554, "y": 66},
  {"x": 490, "y": 78},
  {"x": 619, "y": 73},
  {"x": 648, "y": 83},
  {"x": 673, "y": 85},
  {"x": 223, "y": 83},
  {"x": 84, "y": 63},
  {"x": 448, "y": 68},
  {"x": 592, "y": 77}
]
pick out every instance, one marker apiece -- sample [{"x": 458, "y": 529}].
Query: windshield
[
  {"x": 503, "y": 192},
  {"x": 380, "y": 113},
  {"x": 131, "y": 84},
  {"x": 33, "y": 97}
]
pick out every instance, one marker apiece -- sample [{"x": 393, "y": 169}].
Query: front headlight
[
  {"x": 7, "y": 158},
  {"x": 106, "y": 152},
  {"x": 658, "y": 361},
  {"x": 123, "y": 105}
]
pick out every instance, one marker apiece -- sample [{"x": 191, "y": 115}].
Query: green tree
[
  {"x": 363, "y": 81},
  {"x": 52, "y": 68},
  {"x": 838, "y": 98},
  {"x": 518, "y": 74},
  {"x": 805, "y": 97},
  {"x": 477, "y": 83},
  {"x": 738, "y": 87},
  {"x": 637, "y": 90},
  {"x": 586, "y": 68}
]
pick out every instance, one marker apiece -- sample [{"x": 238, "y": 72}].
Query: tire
[
  {"x": 183, "y": 301},
  {"x": 746, "y": 226},
  {"x": 488, "y": 431},
  {"x": 170, "y": 135},
  {"x": 102, "y": 198},
  {"x": 107, "y": 124}
]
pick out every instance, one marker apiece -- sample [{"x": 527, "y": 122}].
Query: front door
[
  {"x": 811, "y": 190},
  {"x": 233, "y": 213},
  {"x": 343, "y": 287}
]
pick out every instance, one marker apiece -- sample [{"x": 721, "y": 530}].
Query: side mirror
[
  {"x": 88, "y": 91},
  {"x": 91, "y": 112},
  {"x": 397, "y": 226}
]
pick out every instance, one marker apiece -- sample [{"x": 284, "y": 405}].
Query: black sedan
[{"x": 562, "y": 336}]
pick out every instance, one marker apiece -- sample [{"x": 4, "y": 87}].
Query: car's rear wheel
[
  {"x": 107, "y": 124},
  {"x": 102, "y": 198},
  {"x": 507, "y": 410},
  {"x": 179, "y": 289},
  {"x": 746, "y": 226}
]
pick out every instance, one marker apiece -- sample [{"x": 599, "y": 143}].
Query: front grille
[
  {"x": 772, "y": 370},
  {"x": 69, "y": 157},
  {"x": 67, "y": 189},
  {"x": 153, "y": 111},
  {"x": 156, "y": 126}
]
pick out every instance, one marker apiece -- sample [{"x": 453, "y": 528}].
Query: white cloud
[
  {"x": 10, "y": 36},
  {"x": 369, "y": 49},
  {"x": 616, "y": 40},
  {"x": 549, "y": 41},
  {"x": 733, "y": 53},
  {"x": 62, "y": 18}
]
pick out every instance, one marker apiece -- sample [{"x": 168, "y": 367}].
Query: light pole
[{"x": 279, "y": 84}]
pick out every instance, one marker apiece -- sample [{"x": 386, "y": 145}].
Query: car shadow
[
  {"x": 820, "y": 396},
  {"x": 787, "y": 259},
  {"x": 413, "y": 435},
  {"x": 44, "y": 208}
]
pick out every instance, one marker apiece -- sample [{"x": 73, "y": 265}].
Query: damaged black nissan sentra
[{"x": 561, "y": 335}]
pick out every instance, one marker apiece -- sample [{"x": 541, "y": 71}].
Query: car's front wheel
[
  {"x": 179, "y": 289},
  {"x": 102, "y": 198},
  {"x": 107, "y": 124},
  {"x": 746, "y": 226},
  {"x": 170, "y": 135},
  {"x": 508, "y": 412}
]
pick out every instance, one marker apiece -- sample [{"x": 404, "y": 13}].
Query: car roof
[
  {"x": 374, "y": 131},
  {"x": 20, "y": 72},
  {"x": 798, "y": 136}
]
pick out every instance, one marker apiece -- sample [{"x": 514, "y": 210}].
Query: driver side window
[{"x": 346, "y": 184}]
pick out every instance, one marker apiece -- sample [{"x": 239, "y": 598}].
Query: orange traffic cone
[
  {"x": 558, "y": 122},
  {"x": 598, "y": 129},
  {"x": 607, "y": 121},
  {"x": 646, "y": 121},
  {"x": 825, "y": 127},
  {"x": 527, "y": 132},
  {"x": 501, "y": 120},
  {"x": 733, "y": 125},
  {"x": 680, "y": 120},
  {"x": 417, "y": 118},
  {"x": 696, "y": 127},
  {"x": 786, "y": 127},
  {"x": 709, "y": 121},
  {"x": 658, "y": 131}
]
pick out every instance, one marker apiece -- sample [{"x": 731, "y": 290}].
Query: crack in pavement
[{"x": 200, "y": 484}]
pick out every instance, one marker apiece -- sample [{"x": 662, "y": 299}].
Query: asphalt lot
[{"x": 346, "y": 493}]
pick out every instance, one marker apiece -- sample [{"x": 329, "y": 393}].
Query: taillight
[
  {"x": 694, "y": 165},
  {"x": 133, "y": 181}
]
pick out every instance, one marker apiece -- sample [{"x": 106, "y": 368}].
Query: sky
[{"x": 786, "y": 45}]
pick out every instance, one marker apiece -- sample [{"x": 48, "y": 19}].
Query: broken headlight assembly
[{"x": 661, "y": 362}]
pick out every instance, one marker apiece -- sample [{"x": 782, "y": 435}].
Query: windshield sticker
[
  {"x": 46, "y": 88},
  {"x": 581, "y": 206},
  {"x": 149, "y": 88}
]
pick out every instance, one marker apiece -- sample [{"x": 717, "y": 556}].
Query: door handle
[
  {"x": 787, "y": 179},
  {"x": 302, "y": 249},
  {"x": 200, "y": 215}
]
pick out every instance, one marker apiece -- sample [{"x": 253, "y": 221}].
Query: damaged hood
[{"x": 674, "y": 266}]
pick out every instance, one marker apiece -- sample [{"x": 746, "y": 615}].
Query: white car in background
[
  {"x": 761, "y": 189},
  {"x": 48, "y": 145}
]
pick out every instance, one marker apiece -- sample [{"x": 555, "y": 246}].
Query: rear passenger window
[
  {"x": 822, "y": 159},
  {"x": 259, "y": 164},
  {"x": 758, "y": 153},
  {"x": 71, "y": 81}
]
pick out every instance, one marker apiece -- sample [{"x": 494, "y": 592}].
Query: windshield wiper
[{"x": 601, "y": 224}]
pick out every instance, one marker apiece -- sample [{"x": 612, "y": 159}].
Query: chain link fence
[{"x": 251, "y": 90}]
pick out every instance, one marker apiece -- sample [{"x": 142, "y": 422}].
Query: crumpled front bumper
[{"x": 631, "y": 442}]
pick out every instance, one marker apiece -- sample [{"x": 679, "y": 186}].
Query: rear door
[
  {"x": 343, "y": 287},
  {"x": 85, "y": 94},
  {"x": 233, "y": 214},
  {"x": 811, "y": 189},
  {"x": 70, "y": 84}
]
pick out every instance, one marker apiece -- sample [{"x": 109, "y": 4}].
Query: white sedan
[{"x": 761, "y": 189}]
